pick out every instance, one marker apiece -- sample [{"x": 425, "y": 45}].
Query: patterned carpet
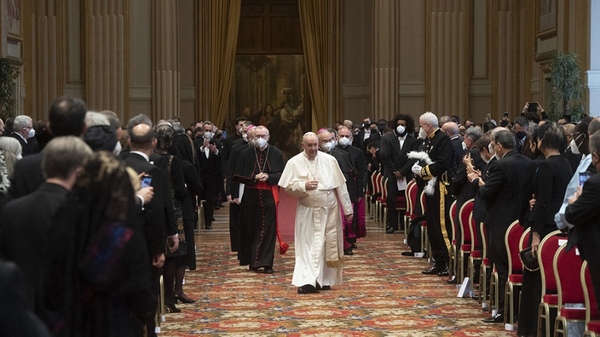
[{"x": 384, "y": 294}]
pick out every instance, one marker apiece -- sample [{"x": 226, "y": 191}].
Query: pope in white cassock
[{"x": 316, "y": 180}]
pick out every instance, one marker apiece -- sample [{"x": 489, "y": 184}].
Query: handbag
[{"x": 529, "y": 259}]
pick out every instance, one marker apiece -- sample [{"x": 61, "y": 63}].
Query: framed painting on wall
[{"x": 270, "y": 90}]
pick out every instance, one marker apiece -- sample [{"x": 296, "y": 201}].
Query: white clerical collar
[{"x": 142, "y": 154}]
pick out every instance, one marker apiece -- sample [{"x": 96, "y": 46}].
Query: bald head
[
  {"x": 451, "y": 129},
  {"x": 141, "y": 137}
]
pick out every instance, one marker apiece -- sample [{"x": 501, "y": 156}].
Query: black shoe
[
  {"x": 354, "y": 246},
  {"x": 498, "y": 318},
  {"x": 408, "y": 253},
  {"x": 269, "y": 270},
  {"x": 171, "y": 307},
  {"x": 183, "y": 298},
  {"x": 451, "y": 280},
  {"x": 348, "y": 251},
  {"x": 323, "y": 287},
  {"x": 444, "y": 272},
  {"x": 391, "y": 230},
  {"x": 208, "y": 227},
  {"x": 433, "y": 270},
  {"x": 307, "y": 289}
]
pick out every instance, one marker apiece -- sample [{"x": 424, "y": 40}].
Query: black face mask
[{"x": 521, "y": 134}]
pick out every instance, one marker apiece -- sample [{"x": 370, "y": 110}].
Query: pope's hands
[{"x": 311, "y": 185}]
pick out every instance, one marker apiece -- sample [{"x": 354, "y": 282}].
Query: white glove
[{"x": 416, "y": 169}]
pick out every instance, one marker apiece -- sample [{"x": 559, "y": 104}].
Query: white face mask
[
  {"x": 422, "y": 133},
  {"x": 208, "y": 134},
  {"x": 573, "y": 146},
  {"x": 31, "y": 133},
  {"x": 327, "y": 146},
  {"x": 491, "y": 149},
  {"x": 400, "y": 129},
  {"x": 245, "y": 137},
  {"x": 260, "y": 143},
  {"x": 117, "y": 149},
  {"x": 344, "y": 141},
  {"x": 464, "y": 145},
  {"x": 19, "y": 156}
]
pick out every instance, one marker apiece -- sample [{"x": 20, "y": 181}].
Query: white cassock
[{"x": 318, "y": 235}]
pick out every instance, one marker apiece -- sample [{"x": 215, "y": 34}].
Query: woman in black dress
[{"x": 549, "y": 185}]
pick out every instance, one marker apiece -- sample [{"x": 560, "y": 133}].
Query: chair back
[
  {"x": 588, "y": 294},
  {"x": 377, "y": 184},
  {"x": 545, "y": 255},
  {"x": 525, "y": 238},
  {"x": 411, "y": 198},
  {"x": 464, "y": 215},
  {"x": 483, "y": 233},
  {"x": 384, "y": 188},
  {"x": 512, "y": 238},
  {"x": 567, "y": 270},
  {"x": 475, "y": 244},
  {"x": 453, "y": 222},
  {"x": 422, "y": 202}
]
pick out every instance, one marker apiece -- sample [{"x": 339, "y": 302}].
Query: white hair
[
  {"x": 429, "y": 118},
  {"x": 93, "y": 118},
  {"x": 11, "y": 145},
  {"x": 20, "y": 122}
]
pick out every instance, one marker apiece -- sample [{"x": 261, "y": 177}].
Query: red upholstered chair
[
  {"x": 592, "y": 316},
  {"x": 453, "y": 246},
  {"x": 400, "y": 204},
  {"x": 464, "y": 215},
  {"x": 383, "y": 203},
  {"x": 484, "y": 267},
  {"x": 476, "y": 254},
  {"x": 378, "y": 189},
  {"x": 512, "y": 241},
  {"x": 567, "y": 270},
  {"x": 368, "y": 196},
  {"x": 411, "y": 201},
  {"x": 545, "y": 254},
  {"x": 424, "y": 237}
]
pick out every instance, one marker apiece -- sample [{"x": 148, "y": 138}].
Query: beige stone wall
[{"x": 464, "y": 57}]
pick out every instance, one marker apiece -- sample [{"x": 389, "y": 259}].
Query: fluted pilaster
[
  {"x": 385, "y": 58},
  {"x": 107, "y": 55},
  {"x": 448, "y": 72},
  {"x": 47, "y": 35},
  {"x": 165, "y": 60}
]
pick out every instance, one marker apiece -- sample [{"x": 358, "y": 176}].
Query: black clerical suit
[
  {"x": 232, "y": 188},
  {"x": 501, "y": 194},
  {"x": 395, "y": 159},
  {"x": 259, "y": 205}
]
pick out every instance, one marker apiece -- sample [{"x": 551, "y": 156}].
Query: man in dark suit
[
  {"x": 396, "y": 164},
  {"x": 27, "y": 221},
  {"x": 461, "y": 188},
  {"x": 360, "y": 164},
  {"x": 157, "y": 224},
  {"x": 209, "y": 162},
  {"x": 66, "y": 117},
  {"x": 433, "y": 178},
  {"x": 368, "y": 133},
  {"x": 24, "y": 132},
  {"x": 584, "y": 213},
  {"x": 501, "y": 195}
]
